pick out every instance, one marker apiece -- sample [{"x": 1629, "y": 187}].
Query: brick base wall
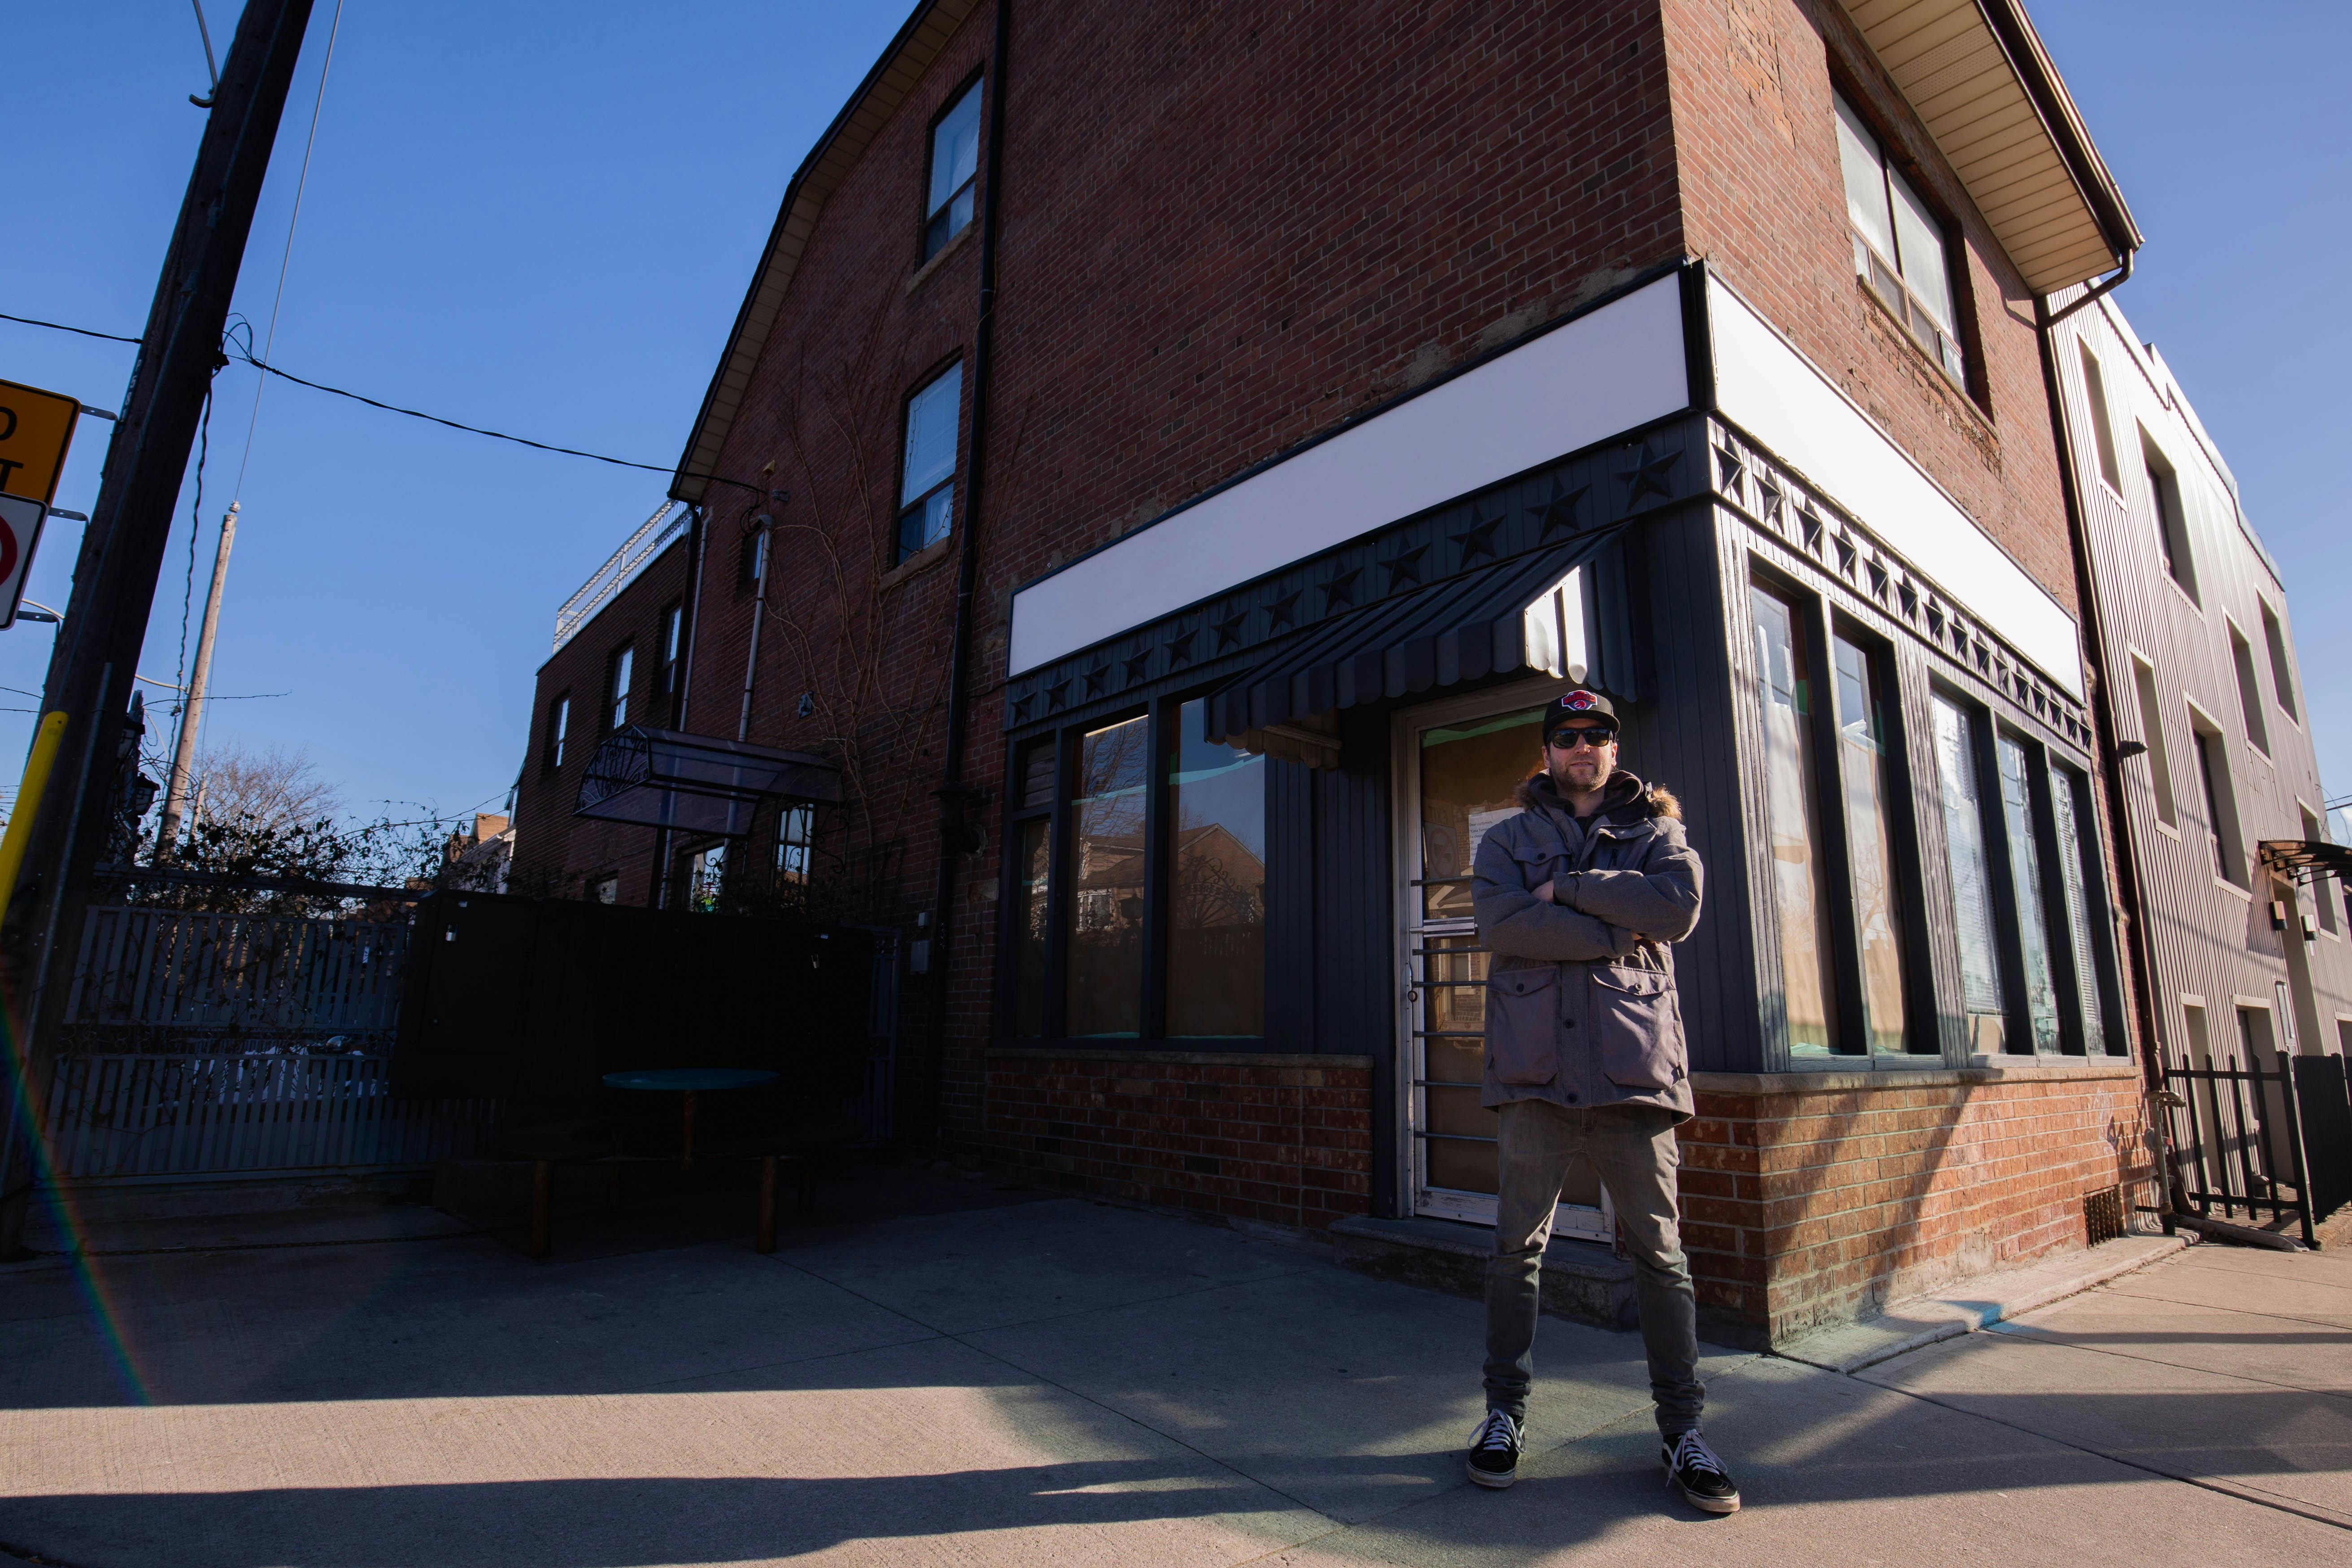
[
  {"x": 1284, "y": 1139},
  {"x": 1812, "y": 1198}
]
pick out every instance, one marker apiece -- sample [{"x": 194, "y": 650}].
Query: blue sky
[{"x": 542, "y": 218}]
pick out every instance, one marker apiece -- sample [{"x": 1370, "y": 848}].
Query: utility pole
[
  {"x": 97, "y": 651},
  {"x": 192, "y": 700}
]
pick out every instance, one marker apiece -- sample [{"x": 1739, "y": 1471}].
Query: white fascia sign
[{"x": 1610, "y": 370}]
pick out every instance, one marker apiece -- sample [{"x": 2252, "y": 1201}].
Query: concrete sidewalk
[{"x": 1023, "y": 1380}]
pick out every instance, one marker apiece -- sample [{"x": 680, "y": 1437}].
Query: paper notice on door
[{"x": 1480, "y": 821}]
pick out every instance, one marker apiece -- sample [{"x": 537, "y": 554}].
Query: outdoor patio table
[{"x": 689, "y": 1082}]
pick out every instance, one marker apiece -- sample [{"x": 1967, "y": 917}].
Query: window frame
[
  {"x": 1942, "y": 345},
  {"x": 1162, "y": 714},
  {"x": 2176, "y": 547},
  {"x": 620, "y": 685},
  {"x": 557, "y": 732},
  {"x": 2164, "y": 797},
  {"x": 2103, "y": 433},
  {"x": 2210, "y": 744},
  {"x": 2282, "y": 655},
  {"x": 974, "y": 84},
  {"x": 2249, "y": 683},
  {"x": 1820, "y": 625},
  {"x": 669, "y": 644},
  {"x": 902, "y": 509}
]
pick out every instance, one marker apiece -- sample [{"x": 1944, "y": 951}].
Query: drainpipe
[
  {"x": 956, "y": 837},
  {"x": 698, "y": 530},
  {"x": 2103, "y": 718}
]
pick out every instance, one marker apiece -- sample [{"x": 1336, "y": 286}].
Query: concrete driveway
[{"x": 1023, "y": 1380}]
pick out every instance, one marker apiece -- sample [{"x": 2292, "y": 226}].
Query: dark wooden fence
[{"x": 2322, "y": 1095}]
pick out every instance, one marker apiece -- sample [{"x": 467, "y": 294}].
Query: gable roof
[
  {"x": 886, "y": 88},
  {"x": 1978, "y": 77}
]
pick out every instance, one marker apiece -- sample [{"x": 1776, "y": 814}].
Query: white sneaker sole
[
  {"x": 1704, "y": 1504},
  {"x": 1490, "y": 1478}
]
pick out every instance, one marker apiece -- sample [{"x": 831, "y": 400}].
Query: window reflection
[
  {"x": 1105, "y": 920},
  {"x": 2073, "y": 817},
  {"x": 1865, "y": 763},
  {"x": 2025, "y": 875},
  {"x": 1217, "y": 898},
  {"x": 1964, "y": 852},
  {"x": 1468, "y": 776},
  {"x": 1784, "y": 692},
  {"x": 1031, "y": 875}
]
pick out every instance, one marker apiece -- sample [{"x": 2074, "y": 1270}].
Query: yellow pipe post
[{"x": 46, "y": 741}]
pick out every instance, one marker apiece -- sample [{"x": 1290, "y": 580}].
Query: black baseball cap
[{"x": 1582, "y": 703}]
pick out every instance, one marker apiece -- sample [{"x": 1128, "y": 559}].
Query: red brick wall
[
  {"x": 1756, "y": 145},
  {"x": 555, "y": 850},
  {"x": 1805, "y": 1206},
  {"x": 1285, "y": 1143}
]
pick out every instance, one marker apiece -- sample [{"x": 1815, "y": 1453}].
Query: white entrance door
[{"x": 1457, "y": 766}]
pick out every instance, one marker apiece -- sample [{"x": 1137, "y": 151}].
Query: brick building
[{"x": 1166, "y": 452}]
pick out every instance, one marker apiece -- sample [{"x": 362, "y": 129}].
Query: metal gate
[
  {"x": 2237, "y": 1141},
  {"x": 115, "y": 1116}
]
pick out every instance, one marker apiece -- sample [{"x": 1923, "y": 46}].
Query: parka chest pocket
[
  {"x": 1640, "y": 1027},
  {"x": 1523, "y": 1025}
]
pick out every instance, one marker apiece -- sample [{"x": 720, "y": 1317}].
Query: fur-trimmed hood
[{"x": 1625, "y": 799}]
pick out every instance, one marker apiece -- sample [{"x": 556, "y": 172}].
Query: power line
[
  {"x": 61, "y": 326},
  {"x": 301, "y": 183},
  {"x": 245, "y": 351}
]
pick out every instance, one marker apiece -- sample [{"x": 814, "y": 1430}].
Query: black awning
[
  {"x": 2316, "y": 855},
  {"x": 697, "y": 784},
  {"x": 1509, "y": 617}
]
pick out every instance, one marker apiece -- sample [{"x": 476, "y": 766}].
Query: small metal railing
[{"x": 2237, "y": 1141}]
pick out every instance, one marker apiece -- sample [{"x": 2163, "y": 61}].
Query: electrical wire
[
  {"x": 61, "y": 326},
  {"x": 245, "y": 351},
  {"x": 285, "y": 257}
]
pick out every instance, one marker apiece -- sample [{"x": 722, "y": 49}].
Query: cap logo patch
[{"x": 1578, "y": 701}]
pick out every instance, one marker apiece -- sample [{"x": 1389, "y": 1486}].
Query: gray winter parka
[{"x": 1581, "y": 1002}]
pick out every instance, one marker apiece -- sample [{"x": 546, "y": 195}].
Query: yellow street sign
[{"x": 36, "y": 428}]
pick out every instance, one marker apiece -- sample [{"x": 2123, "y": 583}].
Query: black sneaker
[
  {"x": 1692, "y": 1469},
  {"x": 1494, "y": 1459}
]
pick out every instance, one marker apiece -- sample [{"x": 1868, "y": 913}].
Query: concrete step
[{"x": 1590, "y": 1284}]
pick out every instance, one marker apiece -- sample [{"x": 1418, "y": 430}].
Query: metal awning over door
[
  {"x": 1525, "y": 613},
  {"x": 697, "y": 784}
]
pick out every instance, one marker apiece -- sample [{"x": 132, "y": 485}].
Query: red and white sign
[{"x": 20, "y": 532}]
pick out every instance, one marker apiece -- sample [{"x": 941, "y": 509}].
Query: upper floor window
[
  {"x": 2281, "y": 670},
  {"x": 616, "y": 690},
  {"x": 1899, "y": 250},
  {"x": 2172, "y": 522},
  {"x": 2103, "y": 434},
  {"x": 672, "y": 644},
  {"x": 559, "y": 726},
  {"x": 927, "y": 490},
  {"x": 955, "y": 166}
]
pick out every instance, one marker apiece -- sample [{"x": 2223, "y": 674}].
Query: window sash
[
  {"x": 1983, "y": 988},
  {"x": 955, "y": 167},
  {"x": 624, "y": 669},
  {"x": 2026, "y": 886},
  {"x": 1807, "y": 995},
  {"x": 1871, "y": 781},
  {"x": 1899, "y": 243}
]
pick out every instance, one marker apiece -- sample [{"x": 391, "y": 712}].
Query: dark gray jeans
[{"x": 1632, "y": 1149}]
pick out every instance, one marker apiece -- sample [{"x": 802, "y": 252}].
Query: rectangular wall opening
[
  {"x": 2171, "y": 523},
  {"x": 2221, "y": 799},
  {"x": 2250, "y": 690},
  {"x": 2151, "y": 734},
  {"x": 2095, "y": 388}
]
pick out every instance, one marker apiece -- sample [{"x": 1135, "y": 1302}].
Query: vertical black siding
[{"x": 1352, "y": 978}]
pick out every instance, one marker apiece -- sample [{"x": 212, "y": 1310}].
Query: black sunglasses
[{"x": 1568, "y": 737}]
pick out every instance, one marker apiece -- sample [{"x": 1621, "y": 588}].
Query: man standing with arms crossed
[{"x": 1579, "y": 898}]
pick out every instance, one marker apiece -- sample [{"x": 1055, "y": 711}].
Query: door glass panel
[
  {"x": 1865, "y": 763},
  {"x": 1105, "y": 936},
  {"x": 2025, "y": 875},
  {"x": 1964, "y": 854},
  {"x": 1216, "y": 901},
  {"x": 1469, "y": 775},
  {"x": 1465, "y": 778},
  {"x": 1785, "y": 694}
]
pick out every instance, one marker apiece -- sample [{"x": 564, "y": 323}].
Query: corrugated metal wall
[{"x": 2209, "y": 941}]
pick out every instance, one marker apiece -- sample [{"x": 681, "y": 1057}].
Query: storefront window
[
  {"x": 1469, "y": 775},
  {"x": 1972, "y": 873},
  {"x": 2026, "y": 875},
  {"x": 1216, "y": 896},
  {"x": 1865, "y": 762},
  {"x": 1032, "y": 872},
  {"x": 2074, "y": 819},
  {"x": 1104, "y": 933},
  {"x": 1784, "y": 692}
]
